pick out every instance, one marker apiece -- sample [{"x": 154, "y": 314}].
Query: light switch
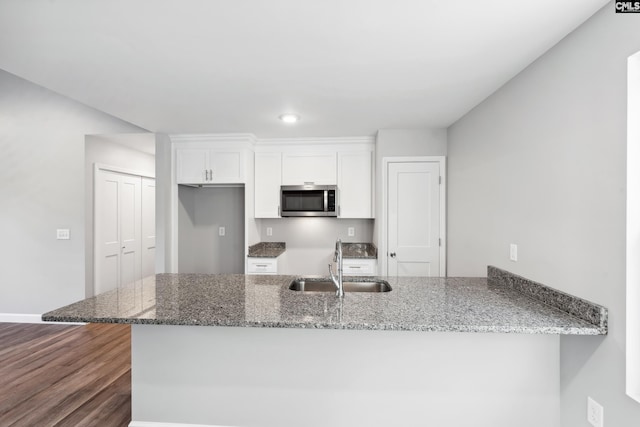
[
  {"x": 221, "y": 231},
  {"x": 513, "y": 252},
  {"x": 63, "y": 234}
]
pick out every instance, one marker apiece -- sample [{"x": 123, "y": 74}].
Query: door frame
[
  {"x": 383, "y": 236},
  {"x": 97, "y": 168}
]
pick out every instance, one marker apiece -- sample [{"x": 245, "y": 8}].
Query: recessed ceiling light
[{"x": 290, "y": 118}]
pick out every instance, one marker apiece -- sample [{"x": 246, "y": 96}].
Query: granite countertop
[
  {"x": 415, "y": 304},
  {"x": 267, "y": 249},
  {"x": 359, "y": 250}
]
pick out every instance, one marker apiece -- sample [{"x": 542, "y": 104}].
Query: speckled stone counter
[
  {"x": 414, "y": 304},
  {"x": 359, "y": 250},
  {"x": 267, "y": 249}
]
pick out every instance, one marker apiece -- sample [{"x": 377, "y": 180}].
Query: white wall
[
  {"x": 311, "y": 242},
  {"x": 111, "y": 150},
  {"x": 403, "y": 143},
  {"x": 541, "y": 163},
  {"x": 164, "y": 210},
  {"x": 42, "y": 188}
]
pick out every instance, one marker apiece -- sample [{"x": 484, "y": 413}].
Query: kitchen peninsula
[{"x": 412, "y": 356}]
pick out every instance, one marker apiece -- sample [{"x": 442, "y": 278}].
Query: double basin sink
[{"x": 316, "y": 284}]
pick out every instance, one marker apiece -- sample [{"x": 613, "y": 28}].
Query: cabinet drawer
[
  {"x": 359, "y": 267},
  {"x": 262, "y": 266}
]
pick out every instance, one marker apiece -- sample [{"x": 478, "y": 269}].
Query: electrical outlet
[
  {"x": 595, "y": 413},
  {"x": 62, "y": 234},
  {"x": 513, "y": 252},
  {"x": 351, "y": 231},
  {"x": 221, "y": 231},
  {"x": 269, "y": 231}
]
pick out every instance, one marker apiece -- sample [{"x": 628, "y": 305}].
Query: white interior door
[
  {"x": 107, "y": 232},
  {"x": 131, "y": 241},
  {"x": 118, "y": 233},
  {"x": 413, "y": 219},
  {"x": 148, "y": 227},
  {"x": 130, "y": 228}
]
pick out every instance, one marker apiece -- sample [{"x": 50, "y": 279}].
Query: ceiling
[{"x": 347, "y": 67}]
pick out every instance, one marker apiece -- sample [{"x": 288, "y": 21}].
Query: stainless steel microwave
[{"x": 308, "y": 200}]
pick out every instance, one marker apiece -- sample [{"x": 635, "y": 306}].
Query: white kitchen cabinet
[
  {"x": 355, "y": 184},
  {"x": 209, "y": 166},
  {"x": 262, "y": 266},
  {"x": 359, "y": 266},
  {"x": 268, "y": 178},
  {"x": 309, "y": 168}
]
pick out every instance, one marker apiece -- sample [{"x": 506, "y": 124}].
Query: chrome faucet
[{"x": 337, "y": 258}]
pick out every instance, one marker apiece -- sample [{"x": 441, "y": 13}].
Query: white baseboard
[
  {"x": 29, "y": 318},
  {"x": 155, "y": 424}
]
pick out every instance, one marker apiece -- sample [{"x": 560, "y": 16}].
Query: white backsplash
[{"x": 311, "y": 241}]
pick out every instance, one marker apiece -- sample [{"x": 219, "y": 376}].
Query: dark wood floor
[{"x": 58, "y": 375}]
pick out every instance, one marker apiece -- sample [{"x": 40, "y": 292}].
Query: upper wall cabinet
[
  {"x": 355, "y": 184},
  {"x": 309, "y": 168},
  {"x": 209, "y": 166},
  {"x": 345, "y": 162},
  {"x": 268, "y": 179}
]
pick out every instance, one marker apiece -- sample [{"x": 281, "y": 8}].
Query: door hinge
[
  {"x": 439, "y": 180},
  {"x": 439, "y": 242}
]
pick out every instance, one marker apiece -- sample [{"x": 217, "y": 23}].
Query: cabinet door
[
  {"x": 355, "y": 184},
  {"x": 226, "y": 167},
  {"x": 301, "y": 168},
  {"x": 192, "y": 165},
  {"x": 268, "y": 179}
]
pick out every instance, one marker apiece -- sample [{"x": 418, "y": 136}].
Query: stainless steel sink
[{"x": 313, "y": 284}]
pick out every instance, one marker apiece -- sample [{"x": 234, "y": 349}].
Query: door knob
[{"x": 392, "y": 254}]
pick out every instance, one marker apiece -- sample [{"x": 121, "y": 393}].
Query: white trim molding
[
  {"x": 157, "y": 424},
  {"x": 317, "y": 141},
  {"x": 382, "y": 233},
  {"x": 100, "y": 166},
  {"x": 233, "y": 139},
  {"x": 633, "y": 230},
  {"x": 30, "y": 318}
]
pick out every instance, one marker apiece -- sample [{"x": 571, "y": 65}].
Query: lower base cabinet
[
  {"x": 359, "y": 266},
  {"x": 262, "y": 266}
]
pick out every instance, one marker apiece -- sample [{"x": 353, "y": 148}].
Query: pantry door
[
  {"x": 148, "y": 227},
  {"x": 413, "y": 215},
  {"x": 117, "y": 231}
]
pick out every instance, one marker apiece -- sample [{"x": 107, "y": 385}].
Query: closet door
[
  {"x": 148, "y": 227},
  {"x": 118, "y": 234}
]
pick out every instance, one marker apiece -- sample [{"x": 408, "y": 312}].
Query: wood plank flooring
[{"x": 60, "y": 375}]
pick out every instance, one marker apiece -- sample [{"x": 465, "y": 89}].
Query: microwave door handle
[{"x": 326, "y": 200}]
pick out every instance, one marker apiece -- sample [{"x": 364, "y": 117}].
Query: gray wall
[
  {"x": 42, "y": 188},
  {"x": 201, "y": 212},
  {"x": 286, "y": 377},
  {"x": 311, "y": 241},
  {"x": 541, "y": 163},
  {"x": 410, "y": 142},
  {"x": 109, "y": 150}
]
